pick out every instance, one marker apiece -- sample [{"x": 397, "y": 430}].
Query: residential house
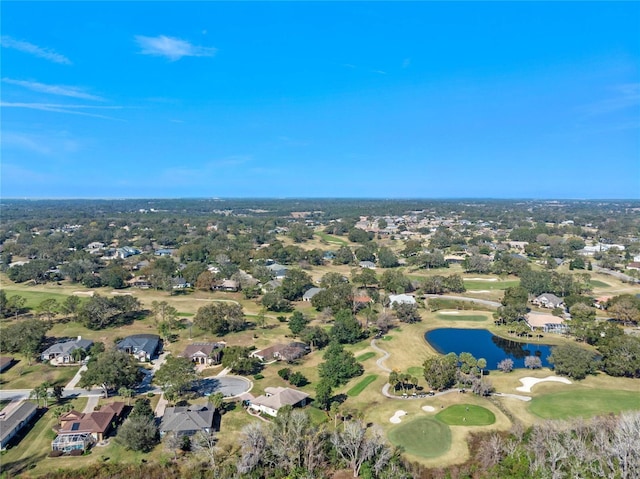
[
  {"x": 5, "y": 363},
  {"x": 634, "y": 265},
  {"x": 139, "y": 282},
  {"x": 401, "y": 299},
  {"x": 61, "y": 353},
  {"x": 280, "y": 351},
  {"x": 127, "y": 251},
  {"x": 278, "y": 271},
  {"x": 187, "y": 420},
  {"x": 228, "y": 285},
  {"x": 14, "y": 421},
  {"x": 164, "y": 252},
  {"x": 310, "y": 293},
  {"x": 82, "y": 430},
  {"x": 143, "y": 346},
  {"x": 276, "y": 397},
  {"x": 548, "y": 300},
  {"x": 546, "y": 322},
  {"x": 361, "y": 301},
  {"x": 179, "y": 283},
  {"x": 203, "y": 353},
  {"x": 367, "y": 264}
]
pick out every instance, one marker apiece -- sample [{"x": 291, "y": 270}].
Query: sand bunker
[
  {"x": 529, "y": 382},
  {"x": 395, "y": 419},
  {"x": 428, "y": 408},
  {"x": 480, "y": 279},
  {"x": 481, "y": 291},
  {"x": 449, "y": 312},
  {"x": 83, "y": 293},
  {"x": 117, "y": 293}
]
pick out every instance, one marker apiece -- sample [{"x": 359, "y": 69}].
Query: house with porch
[
  {"x": 203, "y": 353},
  {"x": 142, "y": 346},
  {"x": 548, "y": 300},
  {"x": 79, "y": 431},
  {"x": 275, "y": 398},
  {"x": 61, "y": 352}
]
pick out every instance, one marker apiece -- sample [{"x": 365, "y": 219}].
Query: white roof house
[
  {"x": 276, "y": 397},
  {"x": 401, "y": 299}
]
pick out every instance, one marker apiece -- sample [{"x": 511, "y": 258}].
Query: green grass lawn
[
  {"x": 365, "y": 356},
  {"x": 358, "y": 388},
  {"x": 599, "y": 284},
  {"x": 490, "y": 285},
  {"x": 387, "y": 338},
  {"x": 317, "y": 415},
  {"x": 416, "y": 371},
  {"x": 181, "y": 313},
  {"x": 34, "y": 298},
  {"x": 466, "y": 415},
  {"x": 423, "y": 437},
  {"x": 461, "y": 317},
  {"x": 584, "y": 403},
  {"x": 23, "y": 376},
  {"x": 330, "y": 238}
]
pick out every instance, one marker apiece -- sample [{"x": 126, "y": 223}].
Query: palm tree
[
  {"x": 78, "y": 354},
  {"x": 482, "y": 363},
  {"x": 126, "y": 393}
]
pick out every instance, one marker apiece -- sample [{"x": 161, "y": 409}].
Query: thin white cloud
[
  {"x": 47, "y": 143},
  {"x": 625, "y": 96},
  {"x": 69, "y": 109},
  {"x": 406, "y": 62},
  {"x": 62, "y": 90},
  {"x": 172, "y": 48},
  {"x": 35, "y": 50}
]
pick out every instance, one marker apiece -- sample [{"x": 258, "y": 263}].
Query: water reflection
[{"x": 483, "y": 344}]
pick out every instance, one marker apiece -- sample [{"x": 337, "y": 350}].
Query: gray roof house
[
  {"x": 142, "y": 346},
  {"x": 15, "y": 420},
  {"x": 310, "y": 293},
  {"x": 187, "y": 420},
  {"x": 367, "y": 264},
  {"x": 60, "y": 353},
  {"x": 277, "y": 270},
  {"x": 548, "y": 300}
]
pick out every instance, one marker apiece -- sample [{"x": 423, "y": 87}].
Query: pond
[{"x": 484, "y": 344}]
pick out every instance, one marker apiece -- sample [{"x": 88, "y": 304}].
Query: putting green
[
  {"x": 466, "y": 415},
  {"x": 424, "y": 437},
  {"x": 583, "y": 403}
]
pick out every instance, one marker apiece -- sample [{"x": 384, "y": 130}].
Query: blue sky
[{"x": 327, "y": 99}]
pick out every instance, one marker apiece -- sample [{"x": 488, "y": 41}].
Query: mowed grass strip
[
  {"x": 365, "y": 356},
  {"x": 599, "y": 284},
  {"x": 466, "y": 415},
  {"x": 461, "y": 317},
  {"x": 358, "y": 388},
  {"x": 416, "y": 371},
  {"x": 584, "y": 403},
  {"x": 423, "y": 437},
  {"x": 331, "y": 239},
  {"x": 34, "y": 298},
  {"x": 477, "y": 285}
]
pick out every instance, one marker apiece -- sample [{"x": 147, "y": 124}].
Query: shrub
[
  {"x": 55, "y": 454},
  {"x": 76, "y": 452},
  {"x": 258, "y": 376}
]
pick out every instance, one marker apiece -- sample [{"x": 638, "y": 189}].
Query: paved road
[
  {"x": 21, "y": 394},
  {"x": 484, "y": 302}
]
